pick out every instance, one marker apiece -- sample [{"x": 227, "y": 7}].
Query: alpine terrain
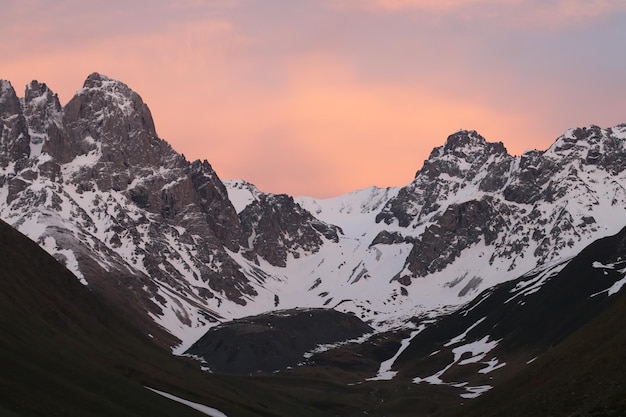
[{"x": 466, "y": 281}]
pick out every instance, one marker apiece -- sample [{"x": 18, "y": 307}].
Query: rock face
[
  {"x": 166, "y": 241},
  {"x": 94, "y": 184},
  {"x": 14, "y": 142},
  {"x": 539, "y": 203},
  {"x": 277, "y": 227},
  {"x": 466, "y": 158},
  {"x": 274, "y": 341}
]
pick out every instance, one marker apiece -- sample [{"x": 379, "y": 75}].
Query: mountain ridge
[
  {"x": 160, "y": 237},
  {"x": 481, "y": 270}
]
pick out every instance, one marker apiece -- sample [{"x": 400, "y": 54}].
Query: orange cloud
[
  {"x": 303, "y": 122},
  {"x": 431, "y": 5},
  {"x": 328, "y": 132},
  {"x": 321, "y": 131},
  {"x": 509, "y": 13}
]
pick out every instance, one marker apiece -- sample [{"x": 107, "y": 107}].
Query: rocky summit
[{"x": 177, "y": 249}]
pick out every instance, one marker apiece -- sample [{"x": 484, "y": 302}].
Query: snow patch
[
  {"x": 209, "y": 411},
  {"x": 478, "y": 351},
  {"x": 384, "y": 372}
]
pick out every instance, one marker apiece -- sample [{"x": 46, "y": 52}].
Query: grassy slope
[
  {"x": 63, "y": 352},
  {"x": 584, "y": 375}
]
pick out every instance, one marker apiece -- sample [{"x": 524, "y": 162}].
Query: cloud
[
  {"x": 322, "y": 130},
  {"x": 203, "y": 4},
  {"x": 427, "y": 5},
  {"x": 537, "y": 14},
  {"x": 301, "y": 111},
  {"x": 328, "y": 131}
]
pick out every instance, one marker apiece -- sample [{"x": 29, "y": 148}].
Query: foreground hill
[
  {"x": 64, "y": 352},
  {"x": 584, "y": 375},
  {"x": 582, "y": 371}
]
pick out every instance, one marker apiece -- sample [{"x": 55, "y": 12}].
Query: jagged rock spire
[{"x": 14, "y": 138}]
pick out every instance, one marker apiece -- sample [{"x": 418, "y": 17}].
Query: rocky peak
[
  {"x": 277, "y": 226},
  {"x": 466, "y": 162},
  {"x": 554, "y": 193},
  {"x": 41, "y": 102},
  {"x": 573, "y": 141},
  {"x": 550, "y": 175},
  {"x": 103, "y": 94},
  {"x": 107, "y": 116},
  {"x": 115, "y": 202},
  {"x": 44, "y": 116},
  {"x": 9, "y": 103},
  {"x": 592, "y": 145},
  {"x": 463, "y": 155},
  {"x": 466, "y": 142},
  {"x": 14, "y": 138}
]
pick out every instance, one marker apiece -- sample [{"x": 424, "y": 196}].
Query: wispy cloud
[
  {"x": 303, "y": 99},
  {"x": 517, "y": 13},
  {"x": 427, "y": 5},
  {"x": 205, "y": 4}
]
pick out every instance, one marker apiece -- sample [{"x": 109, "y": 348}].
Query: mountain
[
  {"x": 512, "y": 324},
  {"x": 169, "y": 244},
  {"x": 550, "y": 342},
  {"x": 64, "y": 351},
  {"x": 489, "y": 275}
]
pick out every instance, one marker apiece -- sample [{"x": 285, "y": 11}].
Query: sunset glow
[{"x": 324, "y": 97}]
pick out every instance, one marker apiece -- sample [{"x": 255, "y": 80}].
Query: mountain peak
[
  {"x": 463, "y": 142},
  {"x": 111, "y": 92},
  {"x": 109, "y": 112},
  {"x": 5, "y": 86},
  {"x": 96, "y": 79},
  {"x": 39, "y": 95},
  {"x": 14, "y": 139},
  {"x": 9, "y": 103},
  {"x": 592, "y": 145},
  {"x": 463, "y": 155}
]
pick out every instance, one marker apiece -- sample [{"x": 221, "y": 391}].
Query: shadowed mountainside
[{"x": 63, "y": 351}]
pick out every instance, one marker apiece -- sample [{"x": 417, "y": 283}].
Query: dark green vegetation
[
  {"x": 64, "y": 352},
  {"x": 583, "y": 376}
]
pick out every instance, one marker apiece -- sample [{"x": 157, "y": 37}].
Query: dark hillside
[
  {"x": 63, "y": 352},
  {"x": 274, "y": 341},
  {"x": 583, "y": 372},
  {"x": 585, "y": 375}
]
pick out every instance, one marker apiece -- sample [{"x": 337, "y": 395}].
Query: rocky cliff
[{"x": 94, "y": 184}]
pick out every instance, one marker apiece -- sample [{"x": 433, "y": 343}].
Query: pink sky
[{"x": 324, "y": 97}]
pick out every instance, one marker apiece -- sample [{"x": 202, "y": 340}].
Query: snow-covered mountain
[
  {"x": 164, "y": 239},
  {"x": 473, "y": 217}
]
